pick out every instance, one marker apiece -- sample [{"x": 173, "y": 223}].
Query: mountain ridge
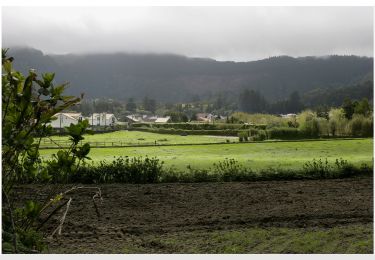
[{"x": 177, "y": 78}]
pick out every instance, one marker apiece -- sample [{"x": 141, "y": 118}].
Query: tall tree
[
  {"x": 295, "y": 105},
  {"x": 252, "y": 101},
  {"x": 348, "y": 107},
  {"x": 149, "y": 104},
  {"x": 131, "y": 105},
  {"x": 363, "y": 107}
]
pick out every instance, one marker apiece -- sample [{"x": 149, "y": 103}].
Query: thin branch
[
  {"x": 51, "y": 214},
  {"x": 62, "y": 220}
]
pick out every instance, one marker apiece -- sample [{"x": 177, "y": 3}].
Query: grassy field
[
  {"x": 139, "y": 138},
  {"x": 254, "y": 155},
  {"x": 351, "y": 239}
]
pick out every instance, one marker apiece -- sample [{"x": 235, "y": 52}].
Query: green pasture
[
  {"x": 253, "y": 155},
  {"x": 140, "y": 138}
]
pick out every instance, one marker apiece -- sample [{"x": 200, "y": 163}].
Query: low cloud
[{"x": 222, "y": 33}]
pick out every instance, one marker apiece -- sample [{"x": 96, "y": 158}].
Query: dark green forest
[{"x": 177, "y": 79}]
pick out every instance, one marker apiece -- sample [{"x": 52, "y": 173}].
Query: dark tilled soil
[{"x": 129, "y": 212}]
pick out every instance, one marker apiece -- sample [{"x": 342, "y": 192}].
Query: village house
[
  {"x": 65, "y": 119},
  {"x": 162, "y": 120},
  {"x": 133, "y": 119},
  {"x": 147, "y": 119},
  {"x": 102, "y": 119},
  {"x": 205, "y": 117},
  {"x": 288, "y": 116}
]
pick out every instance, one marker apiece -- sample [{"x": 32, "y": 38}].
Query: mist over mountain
[{"x": 174, "y": 78}]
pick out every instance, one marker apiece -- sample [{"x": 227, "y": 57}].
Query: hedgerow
[{"x": 151, "y": 170}]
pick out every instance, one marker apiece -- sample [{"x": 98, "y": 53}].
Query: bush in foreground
[{"x": 121, "y": 170}]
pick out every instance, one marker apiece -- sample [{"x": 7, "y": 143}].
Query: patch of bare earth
[{"x": 130, "y": 213}]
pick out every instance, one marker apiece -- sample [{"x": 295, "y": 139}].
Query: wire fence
[{"x": 53, "y": 144}]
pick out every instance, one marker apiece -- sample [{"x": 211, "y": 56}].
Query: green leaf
[
  {"x": 48, "y": 78},
  {"x": 7, "y": 66}
]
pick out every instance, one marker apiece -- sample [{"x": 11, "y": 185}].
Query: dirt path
[{"x": 130, "y": 211}]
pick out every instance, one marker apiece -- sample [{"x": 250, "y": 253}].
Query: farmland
[
  {"x": 254, "y": 155},
  {"x": 311, "y": 216}
]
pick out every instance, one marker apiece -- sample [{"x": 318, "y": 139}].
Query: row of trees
[
  {"x": 221, "y": 103},
  {"x": 353, "y": 118},
  {"x": 337, "y": 124}
]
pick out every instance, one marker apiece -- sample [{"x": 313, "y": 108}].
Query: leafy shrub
[
  {"x": 29, "y": 105},
  {"x": 262, "y": 135},
  {"x": 201, "y": 175},
  {"x": 344, "y": 169},
  {"x": 266, "y": 120},
  {"x": 151, "y": 170},
  {"x": 243, "y": 136},
  {"x": 367, "y": 128},
  {"x": 360, "y": 126},
  {"x": 229, "y": 169},
  {"x": 284, "y": 133},
  {"x": 171, "y": 176},
  {"x": 355, "y": 125},
  {"x": 122, "y": 170},
  {"x": 253, "y": 132},
  {"x": 317, "y": 168}
]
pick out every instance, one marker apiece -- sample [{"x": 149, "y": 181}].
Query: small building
[
  {"x": 205, "y": 117},
  {"x": 289, "y": 115},
  {"x": 149, "y": 119},
  {"x": 102, "y": 119},
  {"x": 133, "y": 119},
  {"x": 162, "y": 120},
  {"x": 65, "y": 119}
]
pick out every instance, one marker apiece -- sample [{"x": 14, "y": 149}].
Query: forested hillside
[{"x": 173, "y": 78}]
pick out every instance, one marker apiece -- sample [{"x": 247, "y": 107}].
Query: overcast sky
[{"x": 222, "y": 33}]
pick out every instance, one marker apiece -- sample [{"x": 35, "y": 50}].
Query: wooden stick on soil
[
  {"x": 51, "y": 214},
  {"x": 59, "y": 228},
  {"x": 98, "y": 194}
]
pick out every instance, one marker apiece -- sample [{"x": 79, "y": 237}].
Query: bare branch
[{"x": 62, "y": 220}]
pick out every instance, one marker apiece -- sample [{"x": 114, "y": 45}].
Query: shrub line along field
[{"x": 254, "y": 155}]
